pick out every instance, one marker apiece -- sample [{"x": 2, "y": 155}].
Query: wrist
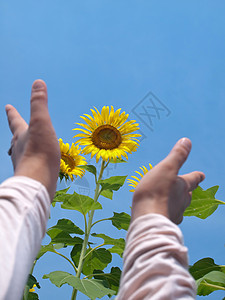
[
  {"x": 148, "y": 205},
  {"x": 45, "y": 172}
]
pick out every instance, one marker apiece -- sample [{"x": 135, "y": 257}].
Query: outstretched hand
[
  {"x": 34, "y": 148},
  {"x": 163, "y": 191}
]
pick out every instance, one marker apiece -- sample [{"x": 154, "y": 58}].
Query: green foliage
[
  {"x": 93, "y": 288},
  {"x": 44, "y": 249},
  {"x": 107, "y": 194},
  {"x": 112, "y": 279},
  {"x": 81, "y": 203},
  {"x": 208, "y": 275},
  {"x": 203, "y": 203},
  {"x": 113, "y": 183},
  {"x": 96, "y": 259},
  {"x": 203, "y": 267},
  {"x": 117, "y": 161},
  {"x": 60, "y": 196},
  {"x": 120, "y": 220},
  {"x": 60, "y": 233},
  {"x": 75, "y": 254},
  {"x": 89, "y": 168},
  {"x": 66, "y": 226},
  {"x": 30, "y": 283},
  {"x": 118, "y": 244},
  {"x": 211, "y": 282},
  {"x": 33, "y": 296},
  {"x": 63, "y": 238}
]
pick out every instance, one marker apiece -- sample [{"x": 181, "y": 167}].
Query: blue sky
[{"x": 95, "y": 53}]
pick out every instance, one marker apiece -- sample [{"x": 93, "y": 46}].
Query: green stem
[
  {"x": 75, "y": 268},
  {"x": 91, "y": 275},
  {"x": 106, "y": 219},
  {"x": 106, "y": 165},
  {"x": 213, "y": 285},
  {"x": 87, "y": 232},
  {"x": 93, "y": 250}
]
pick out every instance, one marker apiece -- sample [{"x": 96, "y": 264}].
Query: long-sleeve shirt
[
  {"x": 155, "y": 262},
  {"x": 24, "y": 211},
  {"x": 155, "y": 259}
]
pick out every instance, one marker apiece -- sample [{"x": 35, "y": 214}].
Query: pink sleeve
[
  {"x": 155, "y": 262},
  {"x": 24, "y": 212}
]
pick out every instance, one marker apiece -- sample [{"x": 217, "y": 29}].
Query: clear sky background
[{"x": 95, "y": 53}]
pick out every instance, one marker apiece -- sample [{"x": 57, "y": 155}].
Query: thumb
[
  {"x": 179, "y": 154},
  {"x": 16, "y": 122}
]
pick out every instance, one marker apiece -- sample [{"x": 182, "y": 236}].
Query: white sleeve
[
  {"x": 24, "y": 212},
  {"x": 155, "y": 262}
]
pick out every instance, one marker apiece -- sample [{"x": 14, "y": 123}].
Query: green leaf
[
  {"x": 120, "y": 220},
  {"x": 203, "y": 267},
  {"x": 97, "y": 259},
  {"x": 89, "y": 168},
  {"x": 112, "y": 278},
  {"x": 31, "y": 281},
  {"x": 212, "y": 281},
  {"x": 119, "y": 244},
  {"x": 113, "y": 183},
  {"x": 203, "y": 203},
  {"x": 75, "y": 254},
  {"x": 92, "y": 288},
  {"x": 49, "y": 248},
  {"x": 67, "y": 226},
  {"x": 117, "y": 249},
  {"x": 61, "y": 196},
  {"x": 63, "y": 237},
  {"x": 107, "y": 193},
  {"x": 213, "y": 190},
  {"x": 117, "y": 161},
  {"x": 61, "y": 192},
  {"x": 32, "y": 296},
  {"x": 81, "y": 203},
  {"x": 44, "y": 249}
]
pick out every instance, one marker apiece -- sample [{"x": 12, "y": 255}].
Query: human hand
[
  {"x": 34, "y": 148},
  {"x": 162, "y": 191}
]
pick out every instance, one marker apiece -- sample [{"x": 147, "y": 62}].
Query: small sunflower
[
  {"x": 32, "y": 289},
  {"x": 107, "y": 134},
  {"x": 135, "y": 182},
  {"x": 70, "y": 160}
]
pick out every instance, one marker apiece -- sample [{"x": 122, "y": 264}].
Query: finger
[
  {"x": 179, "y": 154},
  {"x": 39, "y": 100},
  {"x": 193, "y": 179},
  {"x": 16, "y": 122}
]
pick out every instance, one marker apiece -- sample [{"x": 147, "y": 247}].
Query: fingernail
[
  {"x": 202, "y": 176},
  {"x": 7, "y": 107},
  {"x": 38, "y": 85},
  {"x": 186, "y": 143}
]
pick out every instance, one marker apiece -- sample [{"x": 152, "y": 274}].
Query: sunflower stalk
[{"x": 87, "y": 231}]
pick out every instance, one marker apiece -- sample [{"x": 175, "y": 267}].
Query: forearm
[
  {"x": 24, "y": 211},
  {"x": 155, "y": 262}
]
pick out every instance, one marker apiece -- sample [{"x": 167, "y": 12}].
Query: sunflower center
[
  {"x": 68, "y": 160},
  {"x": 106, "y": 137}
]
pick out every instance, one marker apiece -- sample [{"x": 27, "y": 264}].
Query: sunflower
[
  {"x": 70, "y": 160},
  {"x": 135, "y": 182},
  {"x": 107, "y": 134}
]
